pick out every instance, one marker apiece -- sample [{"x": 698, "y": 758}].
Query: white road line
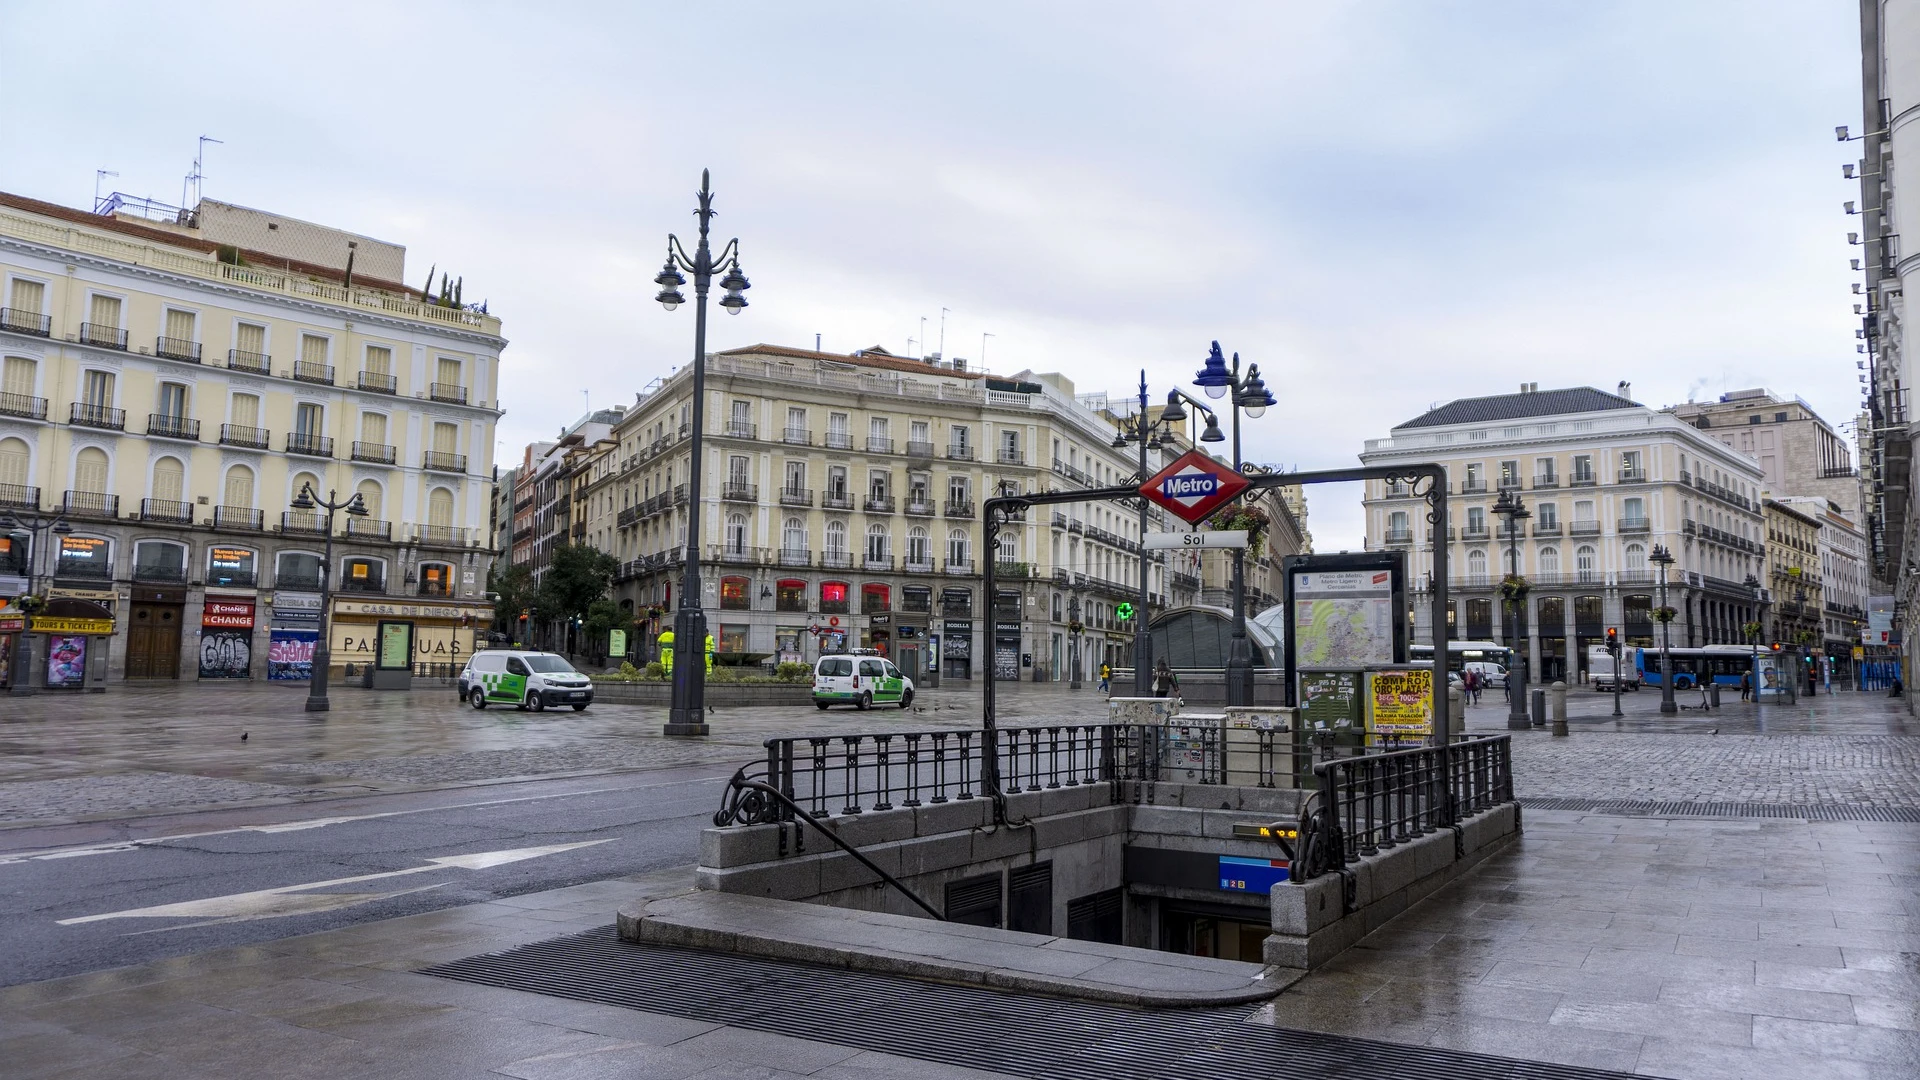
[
  {"x": 313, "y": 823},
  {"x": 275, "y": 903}
]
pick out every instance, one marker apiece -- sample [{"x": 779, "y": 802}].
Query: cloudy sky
[{"x": 1385, "y": 205}]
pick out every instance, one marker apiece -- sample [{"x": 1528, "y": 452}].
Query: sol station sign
[{"x": 1194, "y": 486}]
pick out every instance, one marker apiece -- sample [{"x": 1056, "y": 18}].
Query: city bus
[
  {"x": 1483, "y": 654},
  {"x": 1723, "y": 664}
]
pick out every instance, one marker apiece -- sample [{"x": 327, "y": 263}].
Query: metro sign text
[{"x": 1194, "y": 486}]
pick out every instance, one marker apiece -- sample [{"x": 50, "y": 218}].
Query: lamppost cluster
[
  {"x": 1151, "y": 433},
  {"x": 1663, "y": 559},
  {"x": 1509, "y": 506},
  {"x": 32, "y": 528},
  {"x": 354, "y": 507},
  {"x": 1250, "y": 395},
  {"x": 687, "y": 715}
]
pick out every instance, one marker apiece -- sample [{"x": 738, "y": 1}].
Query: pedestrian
[
  {"x": 1746, "y": 685},
  {"x": 1106, "y": 676},
  {"x": 1165, "y": 682},
  {"x": 1468, "y": 683}
]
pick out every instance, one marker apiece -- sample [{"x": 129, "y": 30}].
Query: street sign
[
  {"x": 1190, "y": 541},
  {"x": 1194, "y": 486}
]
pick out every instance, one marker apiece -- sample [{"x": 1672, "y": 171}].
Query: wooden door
[{"x": 153, "y": 642}]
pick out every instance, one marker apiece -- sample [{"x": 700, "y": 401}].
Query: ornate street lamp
[
  {"x": 1514, "y": 593},
  {"x": 32, "y": 527},
  {"x": 1149, "y": 434},
  {"x": 1663, "y": 559},
  {"x": 1074, "y": 627},
  {"x": 322, "y": 651},
  {"x": 687, "y": 715},
  {"x": 1753, "y": 630},
  {"x": 1249, "y": 394}
]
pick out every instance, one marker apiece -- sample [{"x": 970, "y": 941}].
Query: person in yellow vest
[
  {"x": 666, "y": 651},
  {"x": 709, "y": 654}
]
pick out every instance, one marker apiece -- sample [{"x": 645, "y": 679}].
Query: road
[{"x": 240, "y": 876}]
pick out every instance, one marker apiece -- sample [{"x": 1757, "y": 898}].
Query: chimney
[{"x": 1625, "y": 390}]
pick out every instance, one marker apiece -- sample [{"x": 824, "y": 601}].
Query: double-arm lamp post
[
  {"x": 1251, "y": 395},
  {"x": 1663, "y": 558},
  {"x": 322, "y": 652},
  {"x": 1149, "y": 433},
  {"x": 1509, "y": 506},
  {"x": 687, "y": 716},
  {"x": 1753, "y": 630},
  {"x": 33, "y": 527}
]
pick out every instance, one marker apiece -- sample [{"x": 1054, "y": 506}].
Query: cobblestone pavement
[
  {"x": 420, "y": 769},
  {"x": 1860, "y": 770},
  {"x": 88, "y": 796}
]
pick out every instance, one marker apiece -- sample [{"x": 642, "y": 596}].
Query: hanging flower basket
[
  {"x": 1664, "y": 614},
  {"x": 1251, "y": 518},
  {"x": 30, "y": 603},
  {"x": 1752, "y": 630},
  {"x": 1514, "y": 588}
]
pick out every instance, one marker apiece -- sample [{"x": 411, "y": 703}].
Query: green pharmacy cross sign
[{"x": 1124, "y": 612}]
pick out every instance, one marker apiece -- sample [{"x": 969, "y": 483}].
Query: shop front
[
  {"x": 13, "y": 624},
  {"x": 155, "y": 618},
  {"x": 293, "y": 632},
  {"x": 74, "y": 637},
  {"x": 442, "y": 635},
  {"x": 952, "y": 649},
  {"x": 226, "y": 637}
]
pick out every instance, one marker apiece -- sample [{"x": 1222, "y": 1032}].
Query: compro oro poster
[
  {"x": 1342, "y": 618},
  {"x": 1400, "y": 702}
]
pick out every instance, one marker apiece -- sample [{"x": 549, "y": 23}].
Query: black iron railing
[
  {"x": 257, "y": 363},
  {"x": 33, "y": 408},
  {"x": 1374, "y": 802},
  {"x": 22, "y": 321}
]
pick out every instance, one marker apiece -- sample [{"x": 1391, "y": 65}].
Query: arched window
[
  {"x": 876, "y": 542},
  {"x": 1009, "y": 548},
  {"x": 371, "y": 496},
  {"x": 296, "y": 570},
  {"x": 1583, "y": 562},
  {"x": 170, "y": 481},
  {"x": 833, "y": 598},
  {"x": 90, "y": 470},
  {"x": 305, "y": 480},
  {"x": 790, "y": 594},
  {"x": 1477, "y": 565},
  {"x": 436, "y": 579},
  {"x": 231, "y": 566},
  {"x": 919, "y": 547},
  {"x": 15, "y": 462},
  {"x": 793, "y": 539},
  {"x": 956, "y": 548},
  {"x": 1549, "y": 560},
  {"x": 1636, "y": 558},
  {"x": 837, "y": 539},
  {"x": 736, "y": 534},
  {"x": 734, "y": 595},
  {"x": 159, "y": 560},
  {"x": 239, "y": 490},
  {"x": 440, "y": 508}
]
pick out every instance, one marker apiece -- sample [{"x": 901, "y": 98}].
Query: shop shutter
[{"x": 974, "y": 901}]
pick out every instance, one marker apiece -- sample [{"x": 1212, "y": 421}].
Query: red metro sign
[{"x": 1194, "y": 486}]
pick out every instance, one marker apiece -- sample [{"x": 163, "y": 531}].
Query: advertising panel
[
  {"x": 1400, "y": 702},
  {"x": 396, "y": 646},
  {"x": 230, "y": 566},
  {"x": 1330, "y": 701},
  {"x": 1343, "y": 618},
  {"x": 290, "y": 653},
  {"x": 228, "y": 614},
  {"x": 66, "y": 661},
  {"x": 226, "y": 654}
]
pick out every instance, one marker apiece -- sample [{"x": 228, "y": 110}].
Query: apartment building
[
  {"x": 1794, "y": 572},
  {"x": 168, "y": 388},
  {"x": 1799, "y": 453},
  {"x": 841, "y": 498},
  {"x": 1605, "y": 480}
]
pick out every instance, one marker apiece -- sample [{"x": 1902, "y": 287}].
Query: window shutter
[
  {"x": 28, "y": 296},
  {"x": 313, "y": 350},
  {"x": 246, "y": 410},
  {"x": 440, "y": 508},
  {"x": 90, "y": 470},
  {"x": 104, "y": 311},
  {"x": 13, "y": 462},
  {"x": 379, "y": 360},
  {"x": 168, "y": 479},
  {"x": 19, "y": 375},
  {"x": 239, "y": 487},
  {"x": 250, "y": 338},
  {"x": 373, "y": 428},
  {"x": 446, "y": 438},
  {"x": 180, "y": 325}
]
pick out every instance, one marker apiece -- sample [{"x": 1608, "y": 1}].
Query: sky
[{"x": 1385, "y": 205}]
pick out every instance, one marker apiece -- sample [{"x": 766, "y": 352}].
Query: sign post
[{"x": 1194, "y": 541}]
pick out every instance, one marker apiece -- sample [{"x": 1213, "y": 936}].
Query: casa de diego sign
[{"x": 1194, "y": 486}]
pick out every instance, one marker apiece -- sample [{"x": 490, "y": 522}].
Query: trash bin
[
  {"x": 1713, "y": 695},
  {"x": 1539, "y": 706}
]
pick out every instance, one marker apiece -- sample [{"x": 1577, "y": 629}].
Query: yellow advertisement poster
[{"x": 1400, "y": 702}]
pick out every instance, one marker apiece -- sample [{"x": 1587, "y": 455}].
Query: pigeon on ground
[
  {"x": 243, "y": 736},
  {"x": 711, "y": 709}
]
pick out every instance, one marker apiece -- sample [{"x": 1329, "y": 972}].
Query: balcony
[
  {"x": 177, "y": 349},
  {"x": 369, "y": 528},
  {"x": 876, "y": 562},
  {"x": 1546, "y": 528},
  {"x": 253, "y": 363},
  {"x": 956, "y": 452},
  {"x": 251, "y": 438},
  {"x": 1635, "y": 524},
  {"x": 237, "y": 518},
  {"x": 304, "y": 371},
  {"x": 1011, "y": 570},
  {"x": 1399, "y": 536},
  {"x": 1011, "y": 456},
  {"x": 1631, "y": 476},
  {"x": 736, "y": 554},
  {"x": 21, "y": 321},
  {"x": 740, "y": 491},
  {"x": 1059, "y": 520},
  {"x": 879, "y": 444},
  {"x": 920, "y": 508},
  {"x": 1583, "y": 528},
  {"x": 304, "y": 523},
  {"x": 97, "y": 416},
  {"x": 1546, "y": 480},
  {"x": 1075, "y": 525},
  {"x": 922, "y": 565},
  {"x": 1509, "y": 483},
  {"x": 93, "y": 504},
  {"x": 836, "y": 500},
  {"x": 24, "y": 406},
  {"x": 373, "y": 452},
  {"x": 959, "y": 508},
  {"x": 835, "y": 560},
  {"x": 159, "y": 574},
  {"x": 878, "y": 504},
  {"x": 372, "y": 583},
  {"x": 441, "y": 461},
  {"x": 447, "y": 393},
  {"x": 105, "y": 337},
  {"x": 741, "y": 429},
  {"x": 1475, "y": 532},
  {"x": 796, "y": 496},
  {"x": 377, "y": 383},
  {"x": 166, "y": 511},
  {"x": 440, "y": 535},
  {"x": 839, "y": 440},
  {"x": 919, "y": 448},
  {"x": 300, "y": 442},
  {"x": 19, "y": 497},
  {"x": 797, "y": 436},
  {"x": 1582, "y": 480},
  {"x": 164, "y": 426},
  {"x": 1835, "y": 473},
  {"x": 628, "y": 518},
  {"x": 796, "y": 557}
]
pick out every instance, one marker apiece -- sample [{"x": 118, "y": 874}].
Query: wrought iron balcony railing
[
  {"x": 441, "y": 461},
  {"x": 22, "y": 321},
  {"x": 377, "y": 382},
  {"x": 306, "y": 371},
  {"x": 374, "y": 453},
  {"x": 23, "y": 405},
  {"x": 166, "y": 511},
  {"x": 253, "y": 363},
  {"x": 448, "y": 393},
  {"x": 97, "y": 416},
  {"x": 168, "y": 426},
  {"x": 242, "y": 518},
  {"x": 177, "y": 349},
  {"x": 252, "y": 438},
  {"x": 302, "y": 442},
  {"x": 105, "y": 337}
]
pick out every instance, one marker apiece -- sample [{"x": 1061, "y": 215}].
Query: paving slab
[{"x": 948, "y": 952}]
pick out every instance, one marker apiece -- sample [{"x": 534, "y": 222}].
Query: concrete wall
[{"x": 729, "y": 695}]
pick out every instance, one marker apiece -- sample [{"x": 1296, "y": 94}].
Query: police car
[
  {"x": 862, "y": 679},
  {"x": 524, "y": 680}
]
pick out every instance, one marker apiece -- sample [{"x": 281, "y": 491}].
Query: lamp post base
[
  {"x": 319, "y": 705},
  {"x": 688, "y": 714}
]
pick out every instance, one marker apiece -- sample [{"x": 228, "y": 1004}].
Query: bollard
[
  {"x": 1559, "y": 691},
  {"x": 1539, "y": 706},
  {"x": 1713, "y": 694},
  {"x": 1456, "y": 710}
]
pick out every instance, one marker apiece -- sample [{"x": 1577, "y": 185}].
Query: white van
[
  {"x": 1600, "y": 669},
  {"x": 523, "y": 679},
  {"x": 1492, "y": 675},
  {"x": 859, "y": 680}
]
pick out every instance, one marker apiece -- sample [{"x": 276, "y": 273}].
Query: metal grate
[
  {"x": 1807, "y": 812},
  {"x": 1046, "y": 1038}
]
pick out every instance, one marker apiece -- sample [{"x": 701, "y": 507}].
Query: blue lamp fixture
[{"x": 1251, "y": 396}]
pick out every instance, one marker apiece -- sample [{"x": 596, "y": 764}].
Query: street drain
[
  {"x": 1802, "y": 811},
  {"x": 1039, "y": 1037}
]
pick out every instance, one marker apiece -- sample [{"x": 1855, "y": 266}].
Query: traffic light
[{"x": 1613, "y": 639}]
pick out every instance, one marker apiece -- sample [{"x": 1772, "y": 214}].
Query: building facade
[
  {"x": 1799, "y": 453},
  {"x": 1794, "y": 572},
  {"x": 170, "y": 387},
  {"x": 1842, "y": 569},
  {"x": 1605, "y": 480}
]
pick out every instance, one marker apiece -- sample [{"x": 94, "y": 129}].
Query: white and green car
[
  {"x": 861, "y": 681},
  {"x": 525, "y": 680}
]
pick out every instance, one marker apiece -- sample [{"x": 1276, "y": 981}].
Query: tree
[
  {"x": 603, "y": 617},
  {"x": 577, "y": 576},
  {"x": 515, "y": 589}
]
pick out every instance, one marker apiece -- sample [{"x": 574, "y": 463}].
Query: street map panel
[{"x": 1343, "y": 619}]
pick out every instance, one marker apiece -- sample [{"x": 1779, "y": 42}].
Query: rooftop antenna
[
  {"x": 923, "y": 332},
  {"x": 943, "y": 332},
  {"x": 816, "y": 343},
  {"x": 910, "y": 343},
  {"x": 983, "y": 350},
  {"x": 98, "y": 175},
  {"x": 192, "y": 183}
]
